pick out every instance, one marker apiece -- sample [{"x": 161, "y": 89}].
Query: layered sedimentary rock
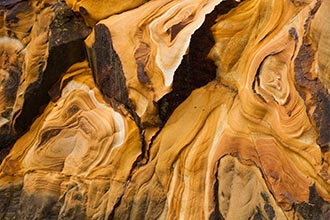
[
  {"x": 32, "y": 36},
  {"x": 24, "y": 49},
  {"x": 154, "y": 45},
  {"x": 78, "y": 148},
  {"x": 127, "y": 133}
]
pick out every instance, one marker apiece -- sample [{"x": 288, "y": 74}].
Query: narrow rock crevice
[{"x": 195, "y": 70}]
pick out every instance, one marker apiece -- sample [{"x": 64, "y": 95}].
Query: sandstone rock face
[
  {"x": 165, "y": 109},
  {"x": 33, "y": 38}
]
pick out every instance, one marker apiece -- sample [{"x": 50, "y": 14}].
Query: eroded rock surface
[
  {"x": 34, "y": 36},
  {"x": 247, "y": 137}
]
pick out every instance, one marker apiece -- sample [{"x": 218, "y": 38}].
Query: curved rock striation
[
  {"x": 146, "y": 53},
  {"x": 24, "y": 52},
  {"x": 253, "y": 143},
  {"x": 31, "y": 34},
  {"x": 77, "y": 147},
  {"x": 253, "y": 112}
]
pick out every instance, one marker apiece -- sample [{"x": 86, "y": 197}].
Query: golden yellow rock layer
[
  {"x": 252, "y": 112},
  {"x": 79, "y": 140},
  {"x": 151, "y": 46},
  {"x": 24, "y": 51},
  {"x": 242, "y": 147},
  {"x": 268, "y": 114},
  {"x": 96, "y": 10}
]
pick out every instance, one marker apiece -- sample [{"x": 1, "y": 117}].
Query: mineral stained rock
[
  {"x": 165, "y": 109},
  {"x": 33, "y": 34}
]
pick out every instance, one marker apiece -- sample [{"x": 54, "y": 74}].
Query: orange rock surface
[{"x": 252, "y": 143}]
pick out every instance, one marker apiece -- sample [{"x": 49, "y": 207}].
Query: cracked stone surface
[{"x": 164, "y": 109}]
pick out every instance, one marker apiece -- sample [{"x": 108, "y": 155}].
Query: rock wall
[{"x": 165, "y": 109}]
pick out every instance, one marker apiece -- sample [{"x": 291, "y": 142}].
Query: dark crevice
[
  {"x": 71, "y": 48},
  {"x": 216, "y": 215},
  {"x": 4, "y": 150},
  {"x": 36, "y": 95},
  {"x": 66, "y": 47},
  {"x": 315, "y": 209},
  {"x": 147, "y": 152},
  {"x": 110, "y": 79},
  {"x": 195, "y": 70},
  {"x": 312, "y": 14},
  {"x": 117, "y": 203},
  {"x": 137, "y": 163},
  {"x": 306, "y": 82},
  {"x": 256, "y": 82}
]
